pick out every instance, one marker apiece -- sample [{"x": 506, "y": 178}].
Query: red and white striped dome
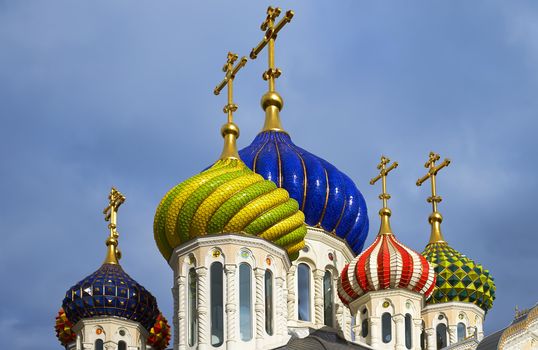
[{"x": 386, "y": 264}]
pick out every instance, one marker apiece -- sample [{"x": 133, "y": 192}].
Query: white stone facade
[{"x": 111, "y": 331}]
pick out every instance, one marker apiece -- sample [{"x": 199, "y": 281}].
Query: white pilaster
[
  {"x": 452, "y": 334},
  {"x": 417, "y": 331},
  {"x": 231, "y": 306},
  {"x": 318, "y": 296},
  {"x": 203, "y": 307},
  {"x": 180, "y": 305},
  {"x": 400, "y": 331},
  {"x": 259, "y": 307},
  {"x": 430, "y": 338},
  {"x": 279, "y": 305},
  {"x": 291, "y": 293},
  {"x": 375, "y": 331}
]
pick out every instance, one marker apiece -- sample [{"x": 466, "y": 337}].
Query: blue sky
[{"x": 102, "y": 93}]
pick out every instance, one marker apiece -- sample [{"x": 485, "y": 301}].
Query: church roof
[{"x": 325, "y": 338}]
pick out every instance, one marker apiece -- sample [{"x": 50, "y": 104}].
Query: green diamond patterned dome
[{"x": 458, "y": 277}]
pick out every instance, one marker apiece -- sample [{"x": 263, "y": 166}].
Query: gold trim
[
  {"x": 305, "y": 176},
  {"x": 326, "y": 198}
]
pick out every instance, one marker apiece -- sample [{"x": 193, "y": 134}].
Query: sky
[{"x": 119, "y": 93}]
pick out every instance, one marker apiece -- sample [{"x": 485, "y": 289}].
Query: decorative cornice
[
  {"x": 110, "y": 319},
  {"x": 231, "y": 238},
  {"x": 331, "y": 240},
  {"x": 451, "y": 305}
]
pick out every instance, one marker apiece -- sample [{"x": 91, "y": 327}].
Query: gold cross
[
  {"x": 384, "y": 171},
  {"x": 230, "y": 71},
  {"x": 271, "y": 31},
  {"x": 115, "y": 200},
  {"x": 432, "y": 173}
]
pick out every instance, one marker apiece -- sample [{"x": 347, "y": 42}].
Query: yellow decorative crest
[
  {"x": 230, "y": 131},
  {"x": 384, "y": 212},
  {"x": 115, "y": 200},
  {"x": 435, "y": 218},
  {"x": 272, "y": 102}
]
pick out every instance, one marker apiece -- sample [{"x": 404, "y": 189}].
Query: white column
[
  {"x": 340, "y": 317},
  {"x": 400, "y": 331},
  {"x": 231, "y": 306},
  {"x": 374, "y": 332},
  {"x": 452, "y": 334},
  {"x": 430, "y": 338},
  {"x": 417, "y": 331},
  {"x": 292, "y": 315},
  {"x": 347, "y": 323},
  {"x": 203, "y": 307},
  {"x": 280, "y": 314},
  {"x": 180, "y": 305},
  {"x": 259, "y": 307},
  {"x": 318, "y": 296}
]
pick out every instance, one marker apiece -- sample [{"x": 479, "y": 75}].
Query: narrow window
[
  {"x": 441, "y": 336},
  {"x": 99, "y": 344},
  {"x": 328, "y": 299},
  {"x": 364, "y": 325},
  {"x": 408, "y": 331},
  {"x": 269, "y": 302},
  {"x": 245, "y": 301},
  {"x": 386, "y": 327},
  {"x": 303, "y": 287},
  {"x": 462, "y": 332},
  {"x": 192, "y": 307},
  {"x": 217, "y": 314},
  {"x": 122, "y": 345}
]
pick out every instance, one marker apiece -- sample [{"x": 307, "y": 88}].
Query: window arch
[
  {"x": 122, "y": 345},
  {"x": 269, "y": 302},
  {"x": 99, "y": 344},
  {"x": 192, "y": 300},
  {"x": 408, "y": 331},
  {"x": 462, "y": 331},
  {"x": 386, "y": 327},
  {"x": 216, "y": 296},
  {"x": 328, "y": 296},
  {"x": 245, "y": 301},
  {"x": 303, "y": 286},
  {"x": 440, "y": 331}
]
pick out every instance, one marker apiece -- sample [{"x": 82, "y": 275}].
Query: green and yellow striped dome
[
  {"x": 458, "y": 277},
  {"x": 228, "y": 198}
]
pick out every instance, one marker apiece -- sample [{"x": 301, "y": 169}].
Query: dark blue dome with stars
[
  {"x": 328, "y": 197},
  {"x": 110, "y": 291}
]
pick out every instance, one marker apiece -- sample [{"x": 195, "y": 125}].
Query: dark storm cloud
[{"x": 120, "y": 93}]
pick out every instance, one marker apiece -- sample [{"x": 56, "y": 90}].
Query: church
[{"x": 267, "y": 251}]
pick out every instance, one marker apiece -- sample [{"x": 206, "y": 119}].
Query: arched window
[
  {"x": 462, "y": 331},
  {"x": 441, "y": 336},
  {"x": 303, "y": 278},
  {"x": 386, "y": 327},
  {"x": 217, "y": 312},
  {"x": 99, "y": 344},
  {"x": 122, "y": 345},
  {"x": 408, "y": 331},
  {"x": 328, "y": 299},
  {"x": 269, "y": 302},
  {"x": 245, "y": 301},
  {"x": 364, "y": 325},
  {"x": 192, "y": 306}
]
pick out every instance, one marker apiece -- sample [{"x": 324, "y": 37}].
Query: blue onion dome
[
  {"x": 110, "y": 291},
  {"x": 328, "y": 197}
]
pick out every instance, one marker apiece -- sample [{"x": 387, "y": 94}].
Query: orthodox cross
[
  {"x": 115, "y": 200},
  {"x": 228, "y": 80},
  {"x": 271, "y": 31},
  {"x": 432, "y": 173},
  {"x": 383, "y": 172}
]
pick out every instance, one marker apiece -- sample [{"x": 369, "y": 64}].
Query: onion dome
[
  {"x": 64, "y": 328},
  {"x": 159, "y": 334},
  {"x": 458, "y": 277},
  {"x": 110, "y": 291},
  {"x": 228, "y": 197},
  {"x": 328, "y": 197},
  {"x": 386, "y": 263}
]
